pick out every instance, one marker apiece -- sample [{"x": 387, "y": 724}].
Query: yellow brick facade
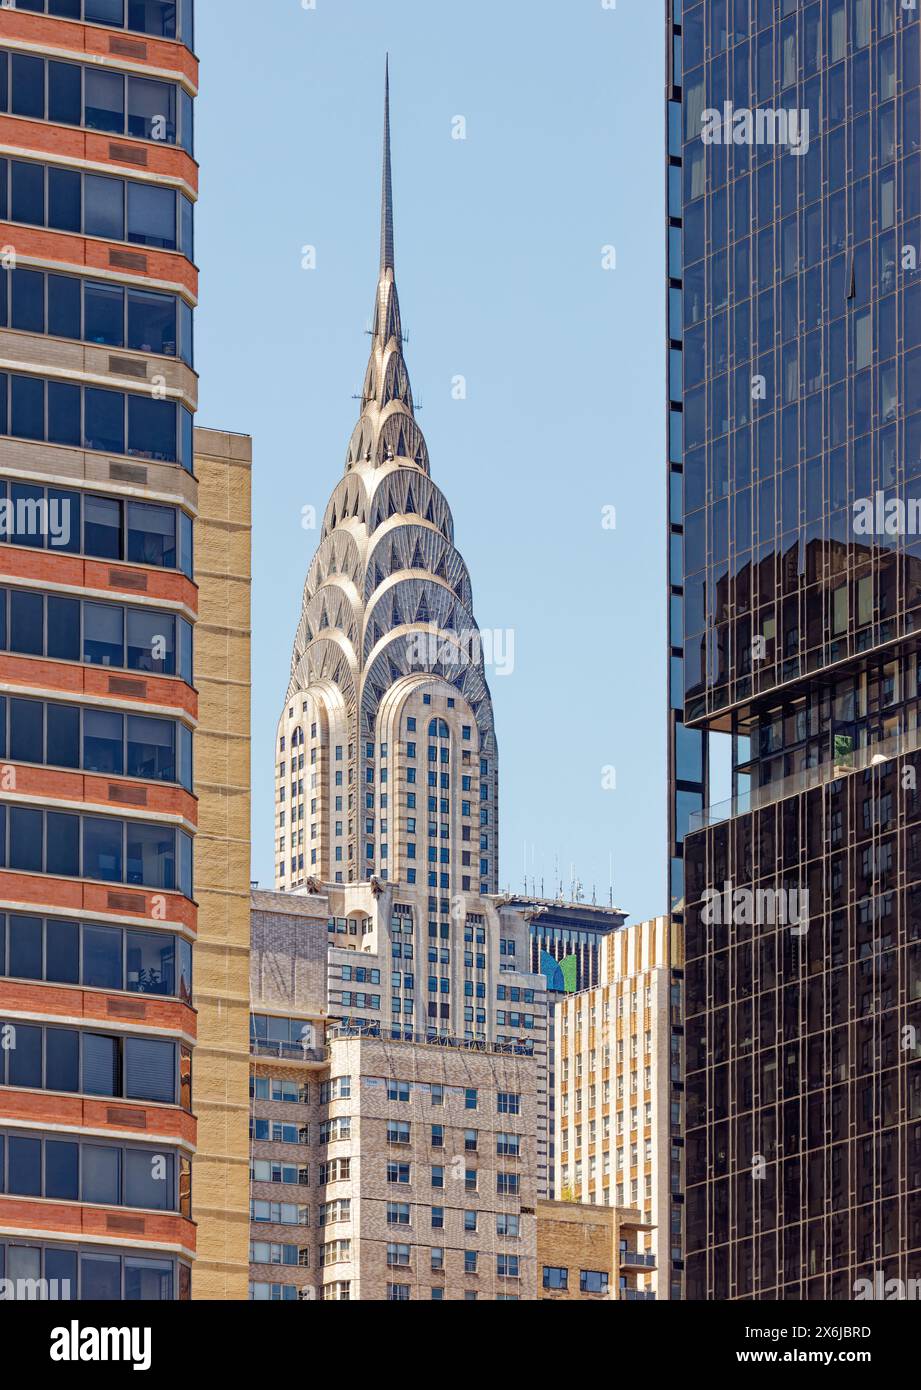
[{"x": 222, "y": 775}]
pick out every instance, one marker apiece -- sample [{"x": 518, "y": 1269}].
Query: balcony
[
  {"x": 286, "y": 1051},
  {"x": 634, "y": 1259},
  {"x": 858, "y": 760},
  {"x": 637, "y": 1296},
  {"x": 432, "y": 1040}
]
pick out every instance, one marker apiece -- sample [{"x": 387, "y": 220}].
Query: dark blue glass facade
[{"x": 795, "y": 397}]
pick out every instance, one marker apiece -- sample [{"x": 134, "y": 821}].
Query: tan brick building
[
  {"x": 590, "y": 1253},
  {"x": 223, "y": 465}
]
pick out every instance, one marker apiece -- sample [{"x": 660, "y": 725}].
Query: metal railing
[
  {"x": 432, "y": 1040},
  {"x": 637, "y": 1258},
  {"x": 286, "y": 1051}
]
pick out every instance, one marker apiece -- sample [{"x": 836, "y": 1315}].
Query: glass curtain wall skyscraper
[{"x": 794, "y": 185}]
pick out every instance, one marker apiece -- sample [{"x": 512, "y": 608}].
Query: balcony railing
[
  {"x": 285, "y": 1051},
  {"x": 858, "y": 760},
  {"x": 637, "y": 1296},
  {"x": 433, "y": 1040},
  {"x": 638, "y": 1259}
]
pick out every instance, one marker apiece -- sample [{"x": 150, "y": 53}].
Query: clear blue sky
[{"x": 499, "y": 242}]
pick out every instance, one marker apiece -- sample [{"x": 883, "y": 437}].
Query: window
[
  {"x": 509, "y": 1103},
  {"x": 95, "y": 740},
  {"x": 593, "y": 1281},
  {"x": 47, "y": 625},
  {"x": 168, "y": 19},
  {"x": 95, "y": 205},
  {"x": 507, "y": 1224},
  {"x": 397, "y": 1214},
  {"x": 507, "y": 1266},
  {"x": 398, "y": 1173},
  {"x": 471, "y": 1099},
  {"x": 95, "y": 847},
  {"x": 397, "y": 1132},
  {"x": 508, "y": 1184},
  {"x": 555, "y": 1277},
  {"x": 397, "y": 1255},
  {"x": 398, "y": 1293},
  {"x": 96, "y": 1064}
]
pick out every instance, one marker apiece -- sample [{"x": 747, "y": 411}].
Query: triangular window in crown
[{"x": 410, "y": 499}]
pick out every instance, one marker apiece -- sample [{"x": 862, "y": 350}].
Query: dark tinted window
[
  {"x": 151, "y": 535},
  {"x": 102, "y": 849},
  {"x": 101, "y": 1181},
  {"x": 62, "y": 963},
  {"x": 104, "y": 420},
  {"x": 64, "y": 200},
  {"x": 103, "y": 527},
  {"x": 64, "y": 628},
  {"x": 104, "y": 314},
  {"x": 25, "y": 836},
  {"x": 27, "y": 301},
  {"x": 63, "y": 736},
  {"x": 27, "y": 86},
  {"x": 152, "y": 322},
  {"x": 27, "y": 407},
  {"x": 62, "y": 855},
  {"x": 64, "y": 414},
  {"x": 104, "y": 101},
  {"x": 26, "y": 622},
  {"x": 103, "y": 737},
  {"x": 28, "y": 193},
  {"x": 62, "y": 1059},
  {"x": 102, "y": 957},
  {"x": 27, "y": 731},
  {"x": 104, "y": 207},
  {"x": 23, "y": 1166},
  {"x": 64, "y": 306},
  {"x": 152, "y": 216},
  {"x": 62, "y": 1160},
  {"x": 26, "y": 947},
  {"x": 64, "y": 100},
  {"x": 25, "y": 1059}
]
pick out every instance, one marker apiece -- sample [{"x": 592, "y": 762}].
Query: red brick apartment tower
[{"x": 97, "y": 606}]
